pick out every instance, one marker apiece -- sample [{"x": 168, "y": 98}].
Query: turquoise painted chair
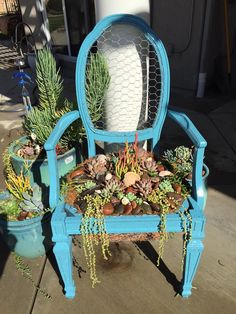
[{"x": 137, "y": 101}]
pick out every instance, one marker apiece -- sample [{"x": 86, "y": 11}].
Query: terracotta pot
[
  {"x": 137, "y": 210},
  {"x": 128, "y": 209},
  {"x": 108, "y": 209},
  {"x": 134, "y": 204},
  {"x": 160, "y": 168},
  {"x": 119, "y": 209},
  {"x": 177, "y": 188},
  {"x": 130, "y": 189},
  {"x": 77, "y": 173}
]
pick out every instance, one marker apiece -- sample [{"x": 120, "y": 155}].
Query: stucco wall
[{"x": 172, "y": 21}]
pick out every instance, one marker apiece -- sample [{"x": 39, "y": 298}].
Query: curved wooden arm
[
  {"x": 49, "y": 146},
  {"x": 188, "y": 126},
  {"x": 199, "y": 144}
]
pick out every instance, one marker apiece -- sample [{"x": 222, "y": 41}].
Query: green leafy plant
[
  {"x": 52, "y": 106},
  {"x": 49, "y": 81},
  {"x": 97, "y": 83}
]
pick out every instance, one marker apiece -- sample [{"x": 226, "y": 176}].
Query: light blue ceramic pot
[
  {"x": 38, "y": 169},
  {"x": 29, "y": 238}
]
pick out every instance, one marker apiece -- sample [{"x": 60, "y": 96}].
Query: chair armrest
[
  {"x": 49, "y": 146},
  {"x": 187, "y": 125},
  {"x": 198, "y": 156},
  {"x": 60, "y": 128}
]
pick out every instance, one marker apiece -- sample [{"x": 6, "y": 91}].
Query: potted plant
[
  {"x": 130, "y": 182},
  {"x": 180, "y": 161},
  {"x": 27, "y": 153},
  {"x": 24, "y": 219}
]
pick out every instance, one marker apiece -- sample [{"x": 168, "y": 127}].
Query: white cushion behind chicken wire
[{"x": 133, "y": 95}]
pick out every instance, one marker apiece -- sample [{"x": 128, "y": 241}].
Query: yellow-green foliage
[
  {"x": 127, "y": 161},
  {"x": 16, "y": 184}
]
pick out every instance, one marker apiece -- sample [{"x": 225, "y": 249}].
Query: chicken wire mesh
[{"x": 123, "y": 80}]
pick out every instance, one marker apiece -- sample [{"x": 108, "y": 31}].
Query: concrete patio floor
[{"x": 130, "y": 281}]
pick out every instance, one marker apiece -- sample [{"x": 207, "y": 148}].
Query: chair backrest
[{"x": 122, "y": 82}]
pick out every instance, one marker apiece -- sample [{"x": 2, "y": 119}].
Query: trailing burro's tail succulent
[{"x": 32, "y": 203}]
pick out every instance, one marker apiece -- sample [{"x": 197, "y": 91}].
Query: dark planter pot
[
  {"x": 29, "y": 238},
  {"x": 38, "y": 169},
  {"x": 205, "y": 186}
]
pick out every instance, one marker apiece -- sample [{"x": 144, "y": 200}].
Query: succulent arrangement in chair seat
[{"x": 130, "y": 182}]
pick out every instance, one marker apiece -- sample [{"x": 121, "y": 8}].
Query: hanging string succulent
[{"x": 93, "y": 231}]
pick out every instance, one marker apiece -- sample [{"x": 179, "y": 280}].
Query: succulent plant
[
  {"x": 166, "y": 186},
  {"x": 180, "y": 159},
  {"x": 169, "y": 156},
  {"x": 106, "y": 194},
  {"x": 150, "y": 166},
  {"x": 32, "y": 203},
  {"x": 131, "y": 197},
  {"x": 144, "y": 187},
  {"x": 96, "y": 166},
  {"x": 114, "y": 186},
  {"x": 184, "y": 168},
  {"x": 120, "y": 195},
  {"x": 183, "y": 153},
  {"x": 89, "y": 184}
]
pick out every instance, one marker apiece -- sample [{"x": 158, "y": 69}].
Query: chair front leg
[
  {"x": 192, "y": 259},
  {"x": 63, "y": 249},
  {"x": 63, "y": 254},
  {"x": 194, "y": 251}
]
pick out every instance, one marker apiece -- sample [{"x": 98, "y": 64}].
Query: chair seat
[{"x": 124, "y": 224}]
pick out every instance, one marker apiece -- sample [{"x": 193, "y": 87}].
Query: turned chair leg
[
  {"x": 192, "y": 259},
  {"x": 63, "y": 254}
]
